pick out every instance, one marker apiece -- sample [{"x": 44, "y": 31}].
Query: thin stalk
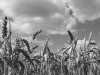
[
  {"x": 10, "y": 36},
  {"x": 61, "y": 67},
  {"x": 10, "y": 31},
  {"x": 5, "y": 68},
  {"x": 41, "y": 64}
]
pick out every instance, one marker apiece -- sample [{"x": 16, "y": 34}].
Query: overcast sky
[{"x": 53, "y": 17}]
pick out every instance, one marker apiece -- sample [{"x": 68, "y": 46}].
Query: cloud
[
  {"x": 38, "y": 19},
  {"x": 50, "y": 15},
  {"x": 71, "y": 24},
  {"x": 34, "y": 8},
  {"x": 86, "y": 9},
  {"x": 7, "y": 6},
  {"x": 32, "y": 15},
  {"x": 60, "y": 32}
]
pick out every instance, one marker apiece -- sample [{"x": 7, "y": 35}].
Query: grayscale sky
[{"x": 53, "y": 17}]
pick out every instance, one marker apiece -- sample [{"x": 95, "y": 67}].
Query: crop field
[{"x": 21, "y": 60}]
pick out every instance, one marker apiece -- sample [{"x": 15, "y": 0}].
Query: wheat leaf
[
  {"x": 25, "y": 54},
  {"x": 36, "y": 60},
  {"x": 27, "y": 44},
  {"x": 90, "y": 36},
  {"x": 35, "y": 47},
  {"x": 93, "y": 43},
  {"x": 22, "y": 67}
]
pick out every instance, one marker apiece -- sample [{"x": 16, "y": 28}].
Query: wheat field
[{"x": 21, "y": 61}]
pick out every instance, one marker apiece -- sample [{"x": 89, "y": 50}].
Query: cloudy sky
[{"x": 54, "y": 18}]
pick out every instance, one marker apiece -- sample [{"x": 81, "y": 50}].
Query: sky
[{"x": 54, "y": 18}]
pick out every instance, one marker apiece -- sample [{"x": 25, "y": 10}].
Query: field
[{"x": 21, "y": 60}]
